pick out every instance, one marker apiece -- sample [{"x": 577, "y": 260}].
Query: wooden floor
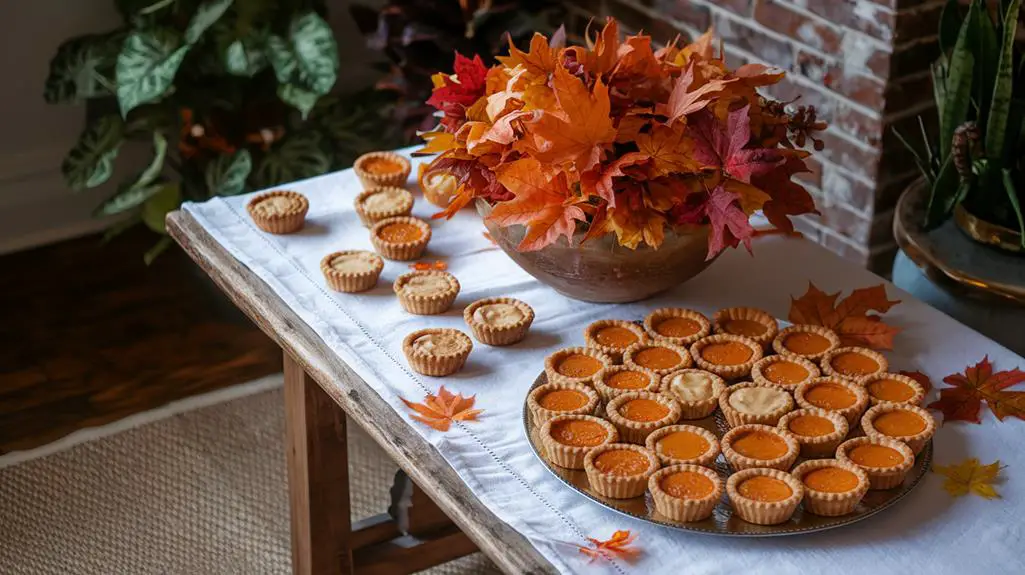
[{"x": 89, "y": 335}]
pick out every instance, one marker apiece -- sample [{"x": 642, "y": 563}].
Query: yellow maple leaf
[{"x": 970, "y": 477}]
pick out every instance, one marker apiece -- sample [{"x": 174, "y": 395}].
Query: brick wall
[{"x": 863, "y": 63}]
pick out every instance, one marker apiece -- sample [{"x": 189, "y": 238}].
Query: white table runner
[{"x": 928, "y": 530}]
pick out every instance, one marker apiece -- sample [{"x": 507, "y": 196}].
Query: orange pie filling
[
  {"x": 765, "y": 489},
  {"x": 854, "y": 364},
  {"x": 657, "y": 358},
  {"x": 744, "y": 327},
  {"x": 760, "y": 445},
  {"x": 563, "y": 400},
  {"x": 830, "y": 480},
  {"x": 899, "y": 423},
  {"x": 628, "y": 380},
  {"x": 381, "y": 166},
  {"x": 869, "y": 455},
  {"x": 578, "y": 365},
  {"x": 810, "y": 426},
  {"x": 579, "y": 433},
  {"x": 785, "y": 372},
  {"x": 687, "y": 485},
  {"x": 683, "y": 445},
  {"x": 806, "y": 343},
  {"x": 890, "y": 390},
  {"x": 830, "y": 396},
  {"x": 726, "y": 353},
  {"x": 643, "y": 410},
  {"x": 616, "y": 337},
  {"x": 677, "y": 327},
  {"x": 624, "y": 462},
  {"x": 400, "y": 232}
]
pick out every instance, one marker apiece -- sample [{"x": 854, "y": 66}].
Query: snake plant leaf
[
  {"x": 1012, "y": 196},
  {"x": 136, "y": 191},
  {"x": 923, "y": 165},
  {"x": 83, "y": 68},
  {"x": 146, "y": 66},
  {"x": 944, "y": 194},
  {"x": 1000, "y": 105},
  {"x": 950, "y": 25},
  {"x": 226, "y": 175},
  {"x": 958, "y": 86},
  {"x": 939, "y": 82},
  {"x": 158, "y": 248},
  {"x": 986, "y": 54},
  {"x": 167, "y": 199},
  {"x": 91, "y": 161},
  {"x": 207, "y": 14},
  {"x": 300, "y": 155},
  {"x": 307, "y": 58}
]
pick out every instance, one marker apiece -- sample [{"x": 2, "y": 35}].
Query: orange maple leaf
[
  {"x": 540, "y": 202},
  {"x": 686, "y": 99},
  {"x": 921, "y": 378},
  {"x": 978, "y": 383},
  {"x": 539, "y": 59},
  {"x": 619, "y": 545},
  {"x": 439, "y": 411},
  {"x": 437, "y": 142},
  {"x": 462, "y": 198},
  {"x": 669, "y": 149},
  {"x": 850, "y": 318}
]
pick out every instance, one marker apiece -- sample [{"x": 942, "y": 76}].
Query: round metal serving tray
[{"x": 722, "y": 522}]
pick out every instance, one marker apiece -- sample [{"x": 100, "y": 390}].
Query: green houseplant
[
  {"x": 975, "y": 165},
  {"x": 232, "y": 95}
]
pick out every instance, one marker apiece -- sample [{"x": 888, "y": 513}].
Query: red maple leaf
[
  {"x": 921, "y": 378},
  {"x": 963, "y": 400},
  {"x": 729, "y": 224},
  {"x": 716, "y": 145},
  {"x": 787, "y": 198},
  {"x": 459, "y": 91}
]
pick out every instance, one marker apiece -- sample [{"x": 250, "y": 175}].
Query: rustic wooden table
[{"x": 320, "y": 390}]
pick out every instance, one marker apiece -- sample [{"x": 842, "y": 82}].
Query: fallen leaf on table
[
  {"x": 619, "y": 545},
  {"x": 963, "y": 400},
  {"x": 921, "y": 378},
  {"x": 423, "y": 266},
  {"x": 850, "y": 317},
  {"x": 970, "y": 477},
  {"x": 439, "y": 411}
]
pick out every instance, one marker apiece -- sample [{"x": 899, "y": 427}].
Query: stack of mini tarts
[
  {"x": 643, "y": 354},
  {"x": 687, "y": 508},
  {"x": 780, "y": 370},
  {"x": 831, "y": 503},
  {"x": 706, "y": 458},
  {"x": 871, "y": 425},
  {"x": 634, "y": 430},
  {"x": 729, "y": 320},
  {"x": 737, "y": 416},
  {"x": 832, "y": 363},
  {"x": 820, "y": 339},
  {"x": 502, "y": 334},
  {"x": 722, "y": 345},
  {"x": 659, "y": 322},
  {"x": 286, "y": 214},
  {"x": 404, "y": 250},
  {"x": 693, "y": 408},
  {"x": 555, "y": 365},
  {"x": 593, "y": 336},
  {"x": 361, "y": 278},
  {"x": 370, "y": 179},
  {"x": 619, "y": 485},
  {"x": 435, "y": 363},
  {"x": 879, "y": 476},
  {"x": 820, "y": 445},
  {"x": 807, "y": 397},
  {"x": 734, "y": 451},
  {"x": 426, "y": 292},
  {"x": 563, "y": 454},
  {"x": 764, "y": 512},
  {"x": 400, "y": 203},
  {"x": 542, "y": 412},
  {"x": 606, "y": 380},
  {"x": 882, "y": 386}
]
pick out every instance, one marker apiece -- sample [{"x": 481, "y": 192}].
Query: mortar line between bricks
[
  {"x": 912, "y": 43},
  {"x": 876, "y": 42}
]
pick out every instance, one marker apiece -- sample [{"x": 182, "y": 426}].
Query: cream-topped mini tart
[
  {"x": 843, "y": 397},
  {"x": 576, "y": 365},
  {"x": 685, "y": 493},
  {"x": 613, "y": 336},
  {"x": 616, "y": 380},
  {"x": 279, "y": 211},
  {"x": 907, "y": 423},
  {"x": 376, "y": 204},
  {"x": 831, "y": 487},
  {"x": 426, "y": 292},
  {"x": 377, "y": 169},
  {"x": 351, "y": 271},
  {"x": 568, "y": 438},
  {"x": 810, "y": 342},
  {"x": 677, "y": 325},
  {"x": 749, "y": 322},
  {"x": 755, "y": 445},
  {"x": 637, "y": 413},
  {"x": 893, "y": 388},
  {"x": 684, "y": 444},
  {"x": 749, "y": 402},
  {"x": 696, "y": 390},
  {"x": 764, "y": 496},
  {"x": 620, "y": 470},
  {"x": 554, "y": 399},
  {"x": 853, "y": 363},
  {"x": 728, "y": 356},
  {"x": 660, "y": 358},
  {"x": 437, "y": 351},
  {"x": 402, "y": 238},
  {"x": 499, "y": 320},
  {"x": 885, "y": 461},
  {"x": 785, "y": 371},
  {"x": 818, "y": 431}
]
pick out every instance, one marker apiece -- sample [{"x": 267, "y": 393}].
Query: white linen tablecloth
[{"x": 927, "y": 531}]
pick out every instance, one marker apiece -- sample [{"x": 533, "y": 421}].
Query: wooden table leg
[{"x": 318, "y": 477}]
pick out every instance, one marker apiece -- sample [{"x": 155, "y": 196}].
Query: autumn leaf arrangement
[{"x": 616, "y": 137}]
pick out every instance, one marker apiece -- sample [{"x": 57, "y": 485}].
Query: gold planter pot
[{"x": 987, "y": 233}]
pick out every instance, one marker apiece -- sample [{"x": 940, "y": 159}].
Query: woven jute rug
[{"x": 193, "y": 493}]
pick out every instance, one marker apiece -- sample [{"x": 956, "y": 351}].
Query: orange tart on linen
[
  {"x": 677, "y": 325},
  {"x": 402, "y": 238},
  {"x": 754, "y": 403},
  {"x": 785, "y": 371},
  {"x": 378, "y": 169},
  {"x": 498, "y": 320},
  {"x": 553, "y": 399},
  {"x": 568, "y": 438},
  {"x": 907, "y": 423},
  {"x": 885, "y": 461},
  {"x": 811, "y": 342},
  {"x": 613, "y": 336},
  {"x": 764, "y": 496},
  {"x": 831, "y": 487},
  {"x": 685, "y": 493},
  {"x": 620, "y": 470},
  {"x": 696, "y": 390},
  {"x": 437, "y": 351},
  {"x": 576, "y": 365},
  {"x": 426, "y": 292},
  {"x": 279, "y": 211},
  {"x": 728, "y": 356},
  {"x": 853, "y": 363},
  {"x": 893, "y": 388},
  {"x": 684, "y": 444},
  {"x": 755, "y": 445},
  {"x": 376, "y": 204},
  {"x": 843, "y": 397},
  {"x": 351, "y": 271},
  {"x": 818, "y": 431},
  {"x": 616, "y": 380},
  {"x": 637, "y": 413},
  {"x": 749, "y": 322},
  {"x": 660, "y": 358}
]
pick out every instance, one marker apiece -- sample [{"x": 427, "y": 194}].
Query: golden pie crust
[
  {"x": 373, "y": 180},
  {"x": 662, "y": 314},
  {"x": 779, "y": 347},
  {"x": 852, "y": 413},
  {"x": 706, "y": 459},
  {"x": 434, "y": 362},
  {"x": 490, "y": 333},
  {"x": 608, "y": 392},
  {"x": 828, "y": 503},
  {"x": 553, "y": 360},
  {"x": 764, "y": 512},
  {"x": 740, "y": 461},
  {"x": 813, "y": 446},
  {"x": 829, "y": 370},
  {"x": 376, "y": 204},
  {"x": 438, "y": 187},
  {"x": 401, "y": 251},
  {"x": 735, "y": 417},
  {"x": 917, "y": 441},
  {"x": 758, "y": 371},
  {"x": 571, "y": 456},
  {"x": 693, "y": 408},
  {"x": 722, "y": 317},
  {"x": 630, "y": 356},
  {"x": 616, "y": 353},
  {"x": 918, "y": 392},
  {"x": 619, "y": 486},
  {"x": 542, "y": 415},
  {"x": 681, "y": 509},
  {"x": 880, "y": 477},
  {"x": 287, "y": 214},
  {"x": 437, "y": 298},
  {"x": 733, "y": 371},
  {"x": 361, "y": 278},
  {"x": 637, "y": 431}
]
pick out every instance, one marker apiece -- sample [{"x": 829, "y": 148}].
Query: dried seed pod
[{"x": 964, "y": 147}]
